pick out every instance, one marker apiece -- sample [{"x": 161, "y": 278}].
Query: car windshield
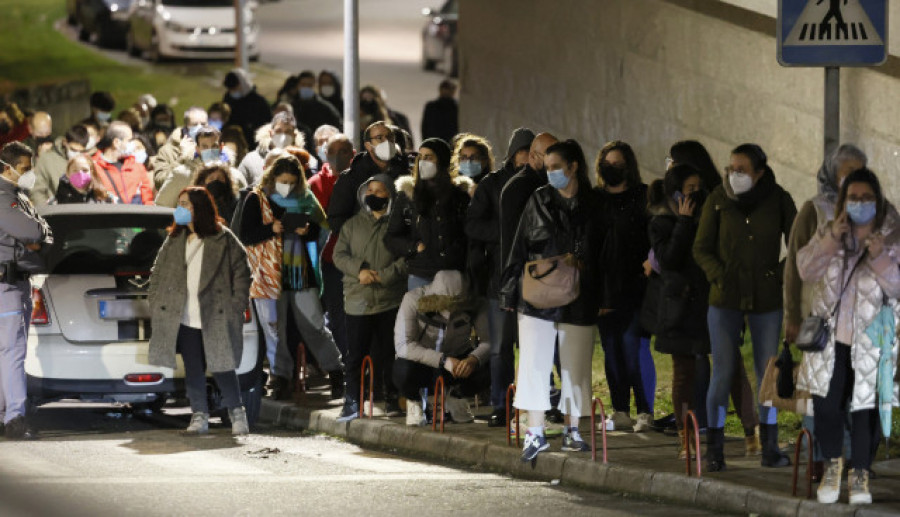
[
  {"x": 100, "y": 244},
  {"x": 199, "y": 3}
]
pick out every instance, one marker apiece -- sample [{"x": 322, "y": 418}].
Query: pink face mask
[{"x": 80, "y": 179}]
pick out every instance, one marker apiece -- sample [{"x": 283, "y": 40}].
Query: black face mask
[
  {"x": 698, "y": 197},
  {"x": 612, "y": 175},
  {"x": 219, "y": 189},
  {"x": 369, "y": 107},
  {"x": 4, "y": 126},
  {"x": 163, "y": 124},
  {"x": 375, "y": 203}
]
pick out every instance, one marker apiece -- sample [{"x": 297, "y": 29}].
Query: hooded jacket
[
  {"x": 49, "y": 168},
  {"x": 251, "y": 110},
  {"x": 343, "y": 203},
  {"x": 874, "y": 283},
  {"x": 251, "y": 167},
  {"x": 437, "y": 319},
  {"x": 361, "y": 246},
  {"x": 442, "y": 232},
  {"x": 738, "y": 245}
]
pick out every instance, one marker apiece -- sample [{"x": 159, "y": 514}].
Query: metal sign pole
[
  {"x": 241, "y": 59},
  {"x": 832, "y": 109},
  {"x": 351, "y": 72}
]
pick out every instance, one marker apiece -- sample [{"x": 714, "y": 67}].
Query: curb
[{"x": 568, "y": 470}]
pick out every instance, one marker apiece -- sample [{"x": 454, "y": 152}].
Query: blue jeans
[
  {"x": 620, "y": 336},
  {"x": 725, "y": 326},
  {"x": 503, "y": 337},
  {"x": 648, "y": 372}
]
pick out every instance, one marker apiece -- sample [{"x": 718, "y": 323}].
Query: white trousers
[{"x": 537, "y": 339}]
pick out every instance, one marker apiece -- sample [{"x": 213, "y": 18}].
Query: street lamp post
[
  {"x": 351, "y": 71},
  {"x": 241, "y": 59}
]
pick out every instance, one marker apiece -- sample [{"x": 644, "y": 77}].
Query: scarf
[{"x": 298, "y": 257}]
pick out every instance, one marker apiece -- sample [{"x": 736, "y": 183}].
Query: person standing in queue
[
  {"x": 23, "y": 234},
  {"x": 199, "y": 290}
]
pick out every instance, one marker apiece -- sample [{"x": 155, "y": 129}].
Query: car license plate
[{"x": 117, "y": 310}]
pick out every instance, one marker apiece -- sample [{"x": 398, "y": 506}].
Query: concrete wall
[
  {"x": 652, "y": 72},
  {"x": 67, "y": 102}
]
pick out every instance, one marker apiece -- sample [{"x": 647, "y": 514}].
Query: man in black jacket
[
  {"x": 483, "y": 224},
  {"x": 249, "y": 109},
  {"x": 312, "y": 110},
  {"x": 441, "y": 116}
]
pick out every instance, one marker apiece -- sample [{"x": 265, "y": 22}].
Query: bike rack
[
  {"x": 438, "y": 388},
  {"x": 809, "y": 464},
  {"x": 594, "y": 429},
  {"x": 300, "y": 384},
  {"x": 367, "y": 361},
  {"x": 511, "y": 390},
  {"x": 692, "y": 430}
]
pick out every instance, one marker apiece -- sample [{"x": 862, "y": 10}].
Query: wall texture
[{"x": 652, "y": 72}]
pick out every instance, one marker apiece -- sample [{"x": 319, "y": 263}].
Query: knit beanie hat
[{"x": 441, "y": 150}]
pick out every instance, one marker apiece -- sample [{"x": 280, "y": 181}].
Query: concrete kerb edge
[{"x": 580, "y": 472}]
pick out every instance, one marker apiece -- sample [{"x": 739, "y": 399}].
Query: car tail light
[
  {"x": 143, "y": 377},
  {"x": 247, "y": 315},
  {"x": 39, "y": 314}
]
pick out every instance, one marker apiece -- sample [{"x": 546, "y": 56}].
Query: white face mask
[
  {"x": 26, "y": 181},
  {"x": 284, "y": 189},
  {"x": 72, "y": 154},
  {"x": 282, "y": 140},
  {"x": 427, "y": 170},
  {"x": 92, "y": 143},
  {"x": 327, "y": 90},
  {"x": 740, "y": 182},
  {"x": 385, "y": 150}
]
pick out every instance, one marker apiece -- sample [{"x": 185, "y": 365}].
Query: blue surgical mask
[
  {"x": 470, "y": 168},
  {"x": 216, "y": 124},
  {"x": 861, "y": 212},
  {"x": 140, "y": 156},
  {"x": 307, "y": 93},
  {"x": 104, "y": 116},
  {"x": 558, "y": 179},
  {"x": 182, "y": 216},
  {"x": 210, "y": 155},
  {"x": 235, "y": 95},
  {"x": 193, "y": 130}
]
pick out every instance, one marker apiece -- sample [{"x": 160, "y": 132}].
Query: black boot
[
  {"x": 771, "y": 454},
  {"x": 715, "y": 449},
  {"x": 336, "y": 379}
]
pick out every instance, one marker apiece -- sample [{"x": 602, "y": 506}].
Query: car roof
[{"x": 103, "y": 209}]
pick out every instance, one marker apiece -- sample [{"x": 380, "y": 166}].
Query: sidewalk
[{"x": 641, "y": 464}]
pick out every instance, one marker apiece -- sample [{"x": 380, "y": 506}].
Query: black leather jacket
[{"x": 550, "y": 227}]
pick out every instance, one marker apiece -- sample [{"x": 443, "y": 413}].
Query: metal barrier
[
  {"x": 367, "y": 361},
  {"x": 511, "y": 390},
  {"x": 300, "y": 384},
  {"x": 692, "y": 430},
  {"x": 594, "y": 429},
  {"x": 438, "y": 389},
  {"x": 809, "y": 464}
]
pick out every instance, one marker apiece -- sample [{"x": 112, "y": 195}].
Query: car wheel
[
  {"x": 130, "y": 47},
  {"x": 427, "y": 64},
  {"x": 83, "y": 34},
  {"x": 70, "y": 19}
]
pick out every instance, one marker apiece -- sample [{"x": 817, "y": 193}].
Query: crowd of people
[{"x": 437, "y": 260}]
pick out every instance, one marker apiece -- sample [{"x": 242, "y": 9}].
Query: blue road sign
[{"x": 832, "y": 32}]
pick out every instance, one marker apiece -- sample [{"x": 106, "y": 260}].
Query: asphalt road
[{"x": 97, "y": 460}]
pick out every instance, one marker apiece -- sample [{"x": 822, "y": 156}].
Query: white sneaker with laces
[
  {"x": 459, "y": 410},
  {"x": 643, "y": 423},
  {"x": 830, "y": 487},
  {"x": 415, "y": 416}
]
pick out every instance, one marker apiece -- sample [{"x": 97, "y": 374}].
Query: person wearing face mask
[
  {"x": 814, "y": 213},
  {"x": 853, "y": 261},
  {"x": 81, "y": 184},
  {"x": 473, "y": 157},
  {"x": 440, "y": 118},
  {"x": 23, "y": 234},
  {"x": 160, "y": 126},
  {"x": 680, "y": 329},
  {"x": 219, "y": 115},
  {"x": 102, "y": 105},
  {"x": 311, "y": 109},
  {"x": 738, "y": 245},
  {"x": 624, "y": 213},
  {"x": 374, "y": 283},
  {"x": 118, "y": 170},
  {"x": 560, "y": 218},
  {"x": 199, "y": 290},
  {"x": 51, "y": 166},
  {"x": 249, "y": 109},
  {"x": 427, "y": 227},
  {"x": 181, "y": 146},
  {"x": 321, "y": 136},
  {"x": 330, "y": 90},
  {"x": 216, "y": 178},
  {"x": 483, "y": 225},
  {"x": 280, "y": 133},
  {"x": 284, "y": 263}
]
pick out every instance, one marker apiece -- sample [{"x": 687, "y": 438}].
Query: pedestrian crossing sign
[{"x": 832, "y": 32}]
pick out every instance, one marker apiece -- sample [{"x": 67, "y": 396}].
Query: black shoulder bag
[{"x": 815, "y": 330}]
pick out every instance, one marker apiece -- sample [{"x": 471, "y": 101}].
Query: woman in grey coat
[{"x": 199, "y": 290}]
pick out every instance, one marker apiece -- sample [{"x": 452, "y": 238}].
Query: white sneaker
[
  {"x": 859, "y": 487},
  {"x": 620, "y": 421},
  {"x": 415, "y": 416},
  {"x": 830, "y": 486},
  {"x": 643, "y": 423},
  {"x": 459, "y": 410},
  {"x": 199, "y": 424}
]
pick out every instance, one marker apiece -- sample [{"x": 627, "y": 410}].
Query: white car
[
  {"x": 90, "y": 325},
  {"x": 193, "y": 29}
]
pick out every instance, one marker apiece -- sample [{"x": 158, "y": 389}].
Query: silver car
[{"x": 90, "y": 326}]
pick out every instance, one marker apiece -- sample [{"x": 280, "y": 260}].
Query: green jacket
[
  {"x": 50, "y": 166},
  {"x": 738, "y": 245}
]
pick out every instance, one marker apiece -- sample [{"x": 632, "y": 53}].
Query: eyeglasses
[{"x": 380, "y": 138}]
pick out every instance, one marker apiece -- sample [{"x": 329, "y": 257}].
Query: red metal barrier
[
  {"x": 438, "y": 389},
  {"x": 692, "y": 430},
  {"x": 367, "y": 361},
  {"x": 809, "y": 464},
  {"x": 511, "y": 390},
  {"x": 594, "y": 429},
  {"x": 302, "y": 373}
]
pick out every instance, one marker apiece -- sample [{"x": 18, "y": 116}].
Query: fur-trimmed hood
[
  {"x": 407, "y": 185},
  {"x": 264, "y": 139}
]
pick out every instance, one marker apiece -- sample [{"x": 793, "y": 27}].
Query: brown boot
[
  {"x": 682, "y": 452},
  {"x": 752, "y": 446}
]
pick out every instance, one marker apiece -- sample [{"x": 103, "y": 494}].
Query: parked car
[
  {"x": 439, "y": 38},
  {"x": 192, "y": 29},
  {"x": 106, "y": 21},
  {"x": 90, "y": 327}
]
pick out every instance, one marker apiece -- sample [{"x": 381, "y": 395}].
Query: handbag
[
  {"x": 784, "y": 383},
  {"x": 800, "y": 401},
  {"x": 551, "y": 282},
  {"x": 815, "y": 330}
]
